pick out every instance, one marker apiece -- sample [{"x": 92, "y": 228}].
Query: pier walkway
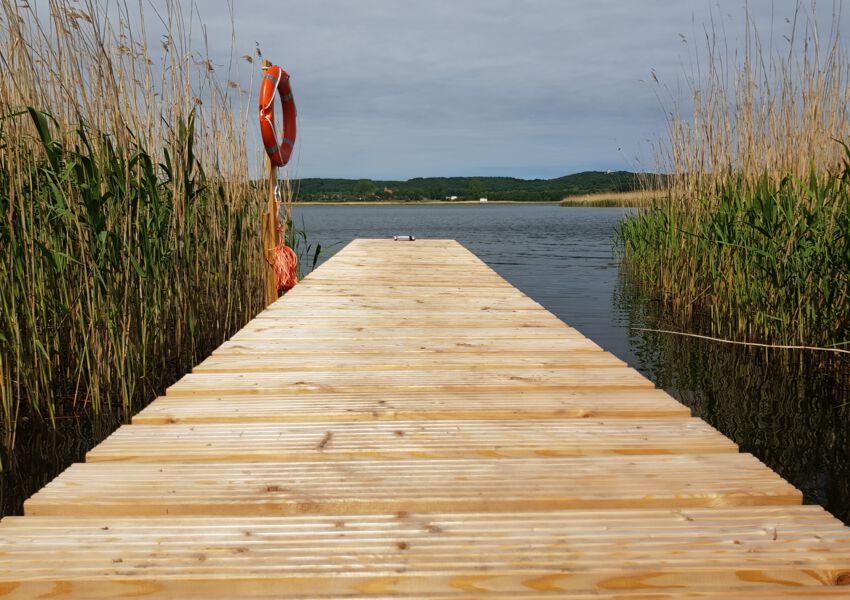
[{"x": 405, "y": 423}]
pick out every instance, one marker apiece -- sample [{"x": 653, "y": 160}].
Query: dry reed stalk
[
  {"x": 751, "y": 234},
  {"x": 637, "y": 198},
  {"x": 756, "y": 114}
]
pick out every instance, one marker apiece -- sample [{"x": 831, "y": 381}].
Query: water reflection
[
  {"x": 791, "y": 409},
  {"x": 41, "y": 453}
]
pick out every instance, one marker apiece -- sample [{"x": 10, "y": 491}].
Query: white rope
[{"x": 714, "y": 339}]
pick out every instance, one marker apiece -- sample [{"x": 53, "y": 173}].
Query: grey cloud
[{"x": 397, "y": 89}]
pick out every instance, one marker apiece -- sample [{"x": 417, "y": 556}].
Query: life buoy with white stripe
[{"x": 276, "y": 82}]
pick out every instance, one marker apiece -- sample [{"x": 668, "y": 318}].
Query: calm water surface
[{"x": 791, "y": 410}]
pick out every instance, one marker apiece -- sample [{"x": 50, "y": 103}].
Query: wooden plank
[
  {"x": 607, "y": 378},
  {"x": 793, "y": 552},
  {"x": 477, "y": 347},
  {"x": 413, "y": 303},
  {"x": 422, "y": 485},
  {"x": 410, "y": 328},
  {"x": 303, "y": 311},
  {"x": 400, "y": 295},
  {"x": 397, "y": 290},
  {"x": 281, "y": 362},
  {"x": 330, "y": 308},
  {"x": 409, "y": 283},
  {"x": 435, "y": 319},
  {"x": 413, "y": 405},
  {"x": 273, "y": 442},
  {"x": 391, "y": 334}
]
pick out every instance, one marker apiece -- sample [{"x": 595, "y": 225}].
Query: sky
[{"x": 395, "y": 89}]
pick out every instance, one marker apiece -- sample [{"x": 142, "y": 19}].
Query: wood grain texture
[
  {"x": 405, "y": 423},
  {"x": 277, "y": 442},
  {"x": 418, "y": 405},
  {"x": 239, "y": 362},
  {"x": 791, "y": 552},
  {"x": 454, "y": 347},
  {"x": 455, "y": 380},
  {"x": 421, "y": 485}
]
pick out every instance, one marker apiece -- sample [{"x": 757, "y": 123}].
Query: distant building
[
  {"x": 482, "y": 199},
  {"x": 451, "y": 197},
  {"x": 388, "y": 190}
]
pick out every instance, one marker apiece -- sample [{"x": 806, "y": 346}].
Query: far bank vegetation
[
  {"x": 510, "y": 189},
  {"x": 637, "y": 198}
]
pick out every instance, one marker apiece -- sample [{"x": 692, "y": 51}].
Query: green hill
[{"x": 465, "y": 188}]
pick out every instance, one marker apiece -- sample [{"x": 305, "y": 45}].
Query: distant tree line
[{"x": 466, "y": 188}]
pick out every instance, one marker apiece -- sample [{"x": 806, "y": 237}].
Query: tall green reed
[
  {"x": 770, "y": 261},
  {"x": 129, "y": 224},
  {"x": 751, "y": 235}
]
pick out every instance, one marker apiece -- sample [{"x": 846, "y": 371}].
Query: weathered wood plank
[
  {"x": 271, "y": 442},
  {"x": 390, "y": 334},
  {"x": 420, "y": 405},
  {"x": 276, "y": 363},
  {"x": 446, "y": 347},
  {"x": 413, "y": 303},
  {"x": 606, "y": 378},
  {"x": 421, "y": 485},
  {"x": 435, "y": 319},
  {"x": 792, "y": 552}
]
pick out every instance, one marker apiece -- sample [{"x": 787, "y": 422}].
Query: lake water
[{"x": 790, "y": 409}]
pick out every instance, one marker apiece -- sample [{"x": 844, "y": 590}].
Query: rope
[
  {"x": 756, "y": 344},
  {"x": 283, "y": 259}
]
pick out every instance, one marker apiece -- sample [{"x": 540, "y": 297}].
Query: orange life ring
[{"x": 276, "y": 81}]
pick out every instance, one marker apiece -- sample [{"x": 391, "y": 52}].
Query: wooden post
[
  {"x": 270, "y": 240},
  {"x": 269, "y": 227}
]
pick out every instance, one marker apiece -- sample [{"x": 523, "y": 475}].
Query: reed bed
[
  {"x": 129, "y": 225},
  {"x": 636, "y": 198},
  {"x": 751, "y": 238}
]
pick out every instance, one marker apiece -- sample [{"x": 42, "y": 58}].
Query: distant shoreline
[
  {"x": 458, "y": 189},
  {"x": 403, "y": 202},
  {"x": 579, "y": 202}
]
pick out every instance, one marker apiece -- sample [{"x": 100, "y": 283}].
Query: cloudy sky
[{"x": 393, "y": 89}]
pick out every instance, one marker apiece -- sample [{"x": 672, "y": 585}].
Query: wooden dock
[{"x": 405, "y": 423}]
